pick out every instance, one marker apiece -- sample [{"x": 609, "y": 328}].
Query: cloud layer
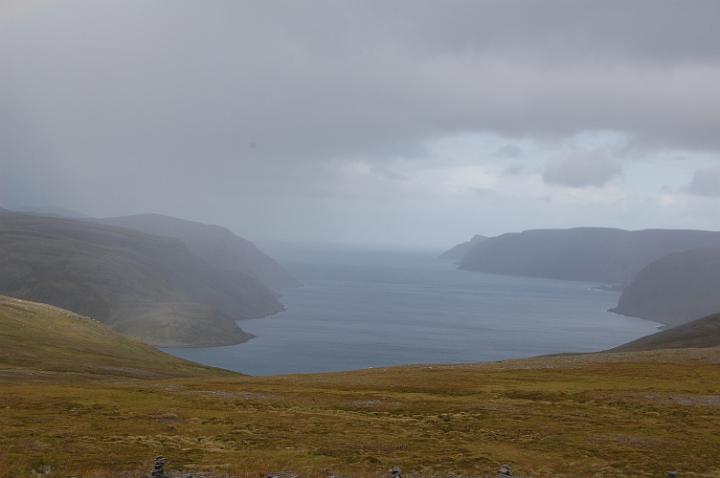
[
  {"x": 581, "y": 170},
  {"x": 261, "y": 111}
]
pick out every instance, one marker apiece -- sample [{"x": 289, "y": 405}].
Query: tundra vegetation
[{"x": 78, "y": 399}]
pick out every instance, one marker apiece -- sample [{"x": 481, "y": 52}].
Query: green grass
[
  {"x": 609, "y": 415},
  {"x": 38, "y": 340}
]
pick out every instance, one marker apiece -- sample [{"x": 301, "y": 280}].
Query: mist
[{"x": 413, "y": 123}]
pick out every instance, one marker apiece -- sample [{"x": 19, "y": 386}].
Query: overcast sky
[{"x": 403, "y": 122}]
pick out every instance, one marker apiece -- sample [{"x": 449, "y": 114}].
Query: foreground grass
[{"x": 600, "y": 415}]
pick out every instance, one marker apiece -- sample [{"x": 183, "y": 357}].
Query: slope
[
  {"x": 457, "y": 252},
  {"x": 700, "y": 333},
  {"x": 39, "y": 340},
  {"x": 215, "y": 244},
  {"x": 150, "y": 287},
  {"x": 676, "y": 288}
]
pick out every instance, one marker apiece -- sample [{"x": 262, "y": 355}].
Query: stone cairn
[
  {"x": 159, "y": 468},
  {"x": 505, "y": 472}
]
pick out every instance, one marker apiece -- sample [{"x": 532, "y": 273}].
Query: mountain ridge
[
  {"x": 590, "y": 254},
  {"x": 458, "y": 251},
  {"x": 676, "y": 288},
  {"x": 150, "y": 287},
  {"x": 217, "y": 245}
]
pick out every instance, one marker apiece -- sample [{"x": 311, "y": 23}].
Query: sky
[{"x": 407, "y": 122}]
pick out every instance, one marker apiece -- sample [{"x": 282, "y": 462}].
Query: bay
[{"x": 360, "y": 309}]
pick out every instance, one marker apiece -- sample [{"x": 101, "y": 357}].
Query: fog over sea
[{"x": 360, "y": 309}]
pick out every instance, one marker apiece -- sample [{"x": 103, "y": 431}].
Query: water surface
[{"x": 373, "y": 309}]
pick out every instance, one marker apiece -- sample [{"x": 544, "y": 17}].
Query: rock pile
[
  {"x": 505, "y": 472},
  {"x": 158, "y": 468}
]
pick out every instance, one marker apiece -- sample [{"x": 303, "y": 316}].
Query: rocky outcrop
[{"x": 675, "y": 289}]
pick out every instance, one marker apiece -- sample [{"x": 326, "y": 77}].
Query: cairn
[
  {"x": 396, "y": 472},
  {"x": 159, "y": 468},
  {"x": 505, "y": 471}
]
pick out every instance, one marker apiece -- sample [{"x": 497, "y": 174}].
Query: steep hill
[
  {"x": 217, "y": 245},
  {"x": 39, "y": 339},
  {"x": 700, "y": 333},
  {"x": 456, "y": 253},
  {"x": 611, "y": 256},
  {"x": 676, "y": 288},
  {"x": 147, "y": 286}
]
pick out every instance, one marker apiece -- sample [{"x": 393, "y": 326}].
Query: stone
[
  {"x": 505, "y": 471},
  {"x": 159, "y": 468},
  {"x": 396, "y": 472}
]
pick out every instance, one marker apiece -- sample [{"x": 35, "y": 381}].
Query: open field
[
  {"x": 548, "y": 417},
  {"x": 77, "y": 399}
]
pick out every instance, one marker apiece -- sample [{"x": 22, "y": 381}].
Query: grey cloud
[
  {"x": 705, "y": 182},
  {"x": 581, "y": 170},
  {"x": 234, "y": 105},
  {"x": 509, "y": 151}
]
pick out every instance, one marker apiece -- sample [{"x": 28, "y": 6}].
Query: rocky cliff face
[
  {"x": 677, "y": 288},
  {"x": 611, "y": 256}
]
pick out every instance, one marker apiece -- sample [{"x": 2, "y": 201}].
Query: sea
[{"x": 361, "y": 309}]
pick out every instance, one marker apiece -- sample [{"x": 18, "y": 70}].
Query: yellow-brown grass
[
  {"x": 624, "y": 415},
  {"x": 77, "y": 399}
]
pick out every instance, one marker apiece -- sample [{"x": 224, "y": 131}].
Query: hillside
[
  {"x": 456, "y": 253},
  {"x": 676, "y": 288},
  {"x": 699, "y": 333},
  {"x": 215, "y": 244},
  {"x": 78, "y": 399},
  {"x": 569, "y": 416},
  {"x": 39, "y": 340},
  {"x": 611, "y": 256},
  {"x": 148, "y": 286}
]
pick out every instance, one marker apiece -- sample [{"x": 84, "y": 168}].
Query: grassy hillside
[
  {"x": 40, "y": 341},
  {"x": 148, "y": 286},
  {"x": 609, "y": 415},
  {"x": 703, "y": 332},
  {"x": 217, "y": 245}
]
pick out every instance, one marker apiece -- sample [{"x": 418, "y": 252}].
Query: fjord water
[{"x": 360, "y": 309}]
